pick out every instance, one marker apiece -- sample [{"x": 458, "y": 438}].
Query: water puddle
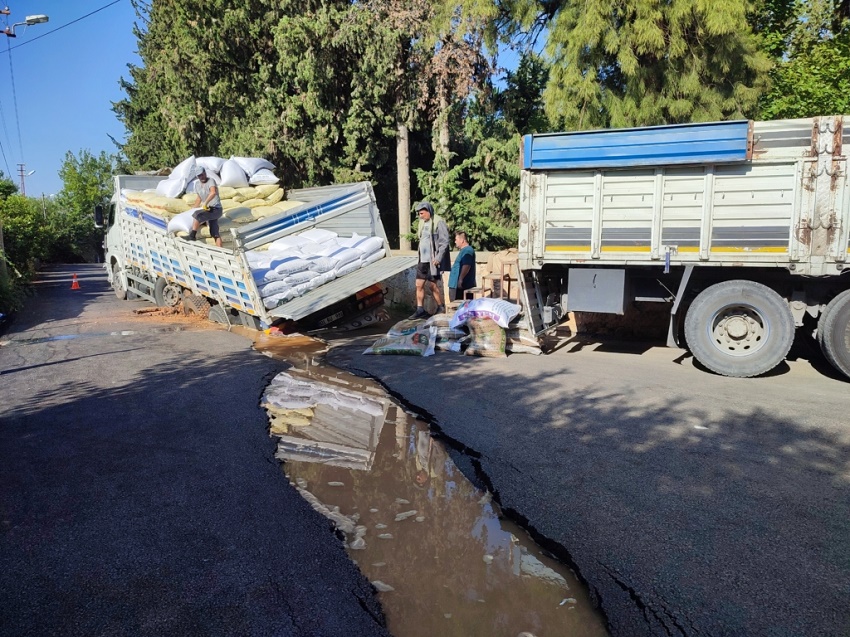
[{"x": 436, "y": 547}]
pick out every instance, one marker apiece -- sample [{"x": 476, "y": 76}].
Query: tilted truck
[
  {"x": 742, "y": 227},
  {"x": 143, "y": 260}
]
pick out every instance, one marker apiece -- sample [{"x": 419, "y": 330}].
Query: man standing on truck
[
  {"x": 209, "y": 204},
  {"x": 433, "y": 258},
  {"x": 462, "y": 277}
]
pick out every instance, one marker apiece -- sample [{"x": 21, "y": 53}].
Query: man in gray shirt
[
  {"x": 209, "y": 204},
  {"x": 433, "y": 258}
]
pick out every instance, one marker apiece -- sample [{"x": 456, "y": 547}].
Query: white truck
[
  {"x": 143, "y": 260},
  {"x": 742, "y": 227}
]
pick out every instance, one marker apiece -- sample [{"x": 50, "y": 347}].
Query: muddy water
[{"x": 439, "y": 552}]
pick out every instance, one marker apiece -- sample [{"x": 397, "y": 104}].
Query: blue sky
[{"x": 65, "y": 80}]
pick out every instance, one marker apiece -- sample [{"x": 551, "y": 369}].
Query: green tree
[
  {"x": 87, "y": 181},
  {"x": 618, "y": 63},
  {"x": 810, "y": 43}
]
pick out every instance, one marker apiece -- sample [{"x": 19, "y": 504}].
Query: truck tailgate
[{"x": 342, "y": 288}]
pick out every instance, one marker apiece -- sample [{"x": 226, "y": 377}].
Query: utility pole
[{"x": 22, "y": 173}]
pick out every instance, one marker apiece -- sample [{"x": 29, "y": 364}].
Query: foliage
[
  {"x": 480, "y": 192},
  {"x": 87, "y": 181},
  {"x": 810, "y": 42}
]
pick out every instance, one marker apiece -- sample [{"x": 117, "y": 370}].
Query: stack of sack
[
  {"x": 298, "y": 263},
  {"x": 492, "y": 330},
  {"x": 480, "y": 327},
  {"x": 248, "y": 190}
]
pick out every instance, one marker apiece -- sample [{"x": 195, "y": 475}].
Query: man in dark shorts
[
  {"x": 209, "y": 206},
  {"x": 433, "y": 258}
]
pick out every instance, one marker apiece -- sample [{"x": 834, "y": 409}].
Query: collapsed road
[{"x": 691, "y": 504}]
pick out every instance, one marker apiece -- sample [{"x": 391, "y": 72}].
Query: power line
[
  {"x": 15, "y": 102},
  {"x": 106, "y": 6}
]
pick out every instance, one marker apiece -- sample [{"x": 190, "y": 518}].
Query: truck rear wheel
[
  {"x": 834, "y": 332},
  {"x": 218, "y": 314},
  {"x": 166, "y": 294},
  {"x": 117, "y": 283},
  {"x": 739, "y": 328},
  {"x": 196, "y": 305}
]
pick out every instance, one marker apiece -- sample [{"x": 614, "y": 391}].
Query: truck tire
[
  {"x": 739, "y": 328},
  {"x": 117, "y": 283},
  {"x": 834, "y": 332},
  {"x": 218, "y": 314},
  {"x": 250, "y": 321},
  {"x": 166, "y": 294},
  {"x": 195, "y": 305}
]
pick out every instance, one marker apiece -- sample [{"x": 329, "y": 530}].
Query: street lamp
[{"x": 28, "y": 21}]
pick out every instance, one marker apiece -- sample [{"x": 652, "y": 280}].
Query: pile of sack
[
  {"x": 298, "y": 263},
  {"x": 248, "y": 189},
  {"x": 479, "y": 327}
]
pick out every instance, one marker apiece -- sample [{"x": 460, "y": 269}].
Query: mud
[{"x": 438, "y": 550}]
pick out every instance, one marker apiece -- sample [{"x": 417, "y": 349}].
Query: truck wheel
[
  {"x": 739, "y": 328},
  {"x": 218, "y": 314},
  {"x": 117, "y": 283},
  {"x": 250, "y": 321},
  {"x": 834, "y": 332},
  {"x": 166, "y": 294},
  {"x": 195, "y": 305}
]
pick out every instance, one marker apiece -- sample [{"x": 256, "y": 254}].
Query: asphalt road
[
  {"x": 139, "y": 494},
  {"x": 691, "y": 504}
]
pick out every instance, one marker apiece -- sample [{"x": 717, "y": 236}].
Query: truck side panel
[{"x": 788, "y": 205}]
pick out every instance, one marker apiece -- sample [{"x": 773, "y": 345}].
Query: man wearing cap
[
  {"x": 433, "y": 258},
  {"x": 208, "y": 204}
]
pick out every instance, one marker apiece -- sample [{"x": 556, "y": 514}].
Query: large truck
[
  {"x": 143, "y": 260},
  {"x": 742, "y": 228}
]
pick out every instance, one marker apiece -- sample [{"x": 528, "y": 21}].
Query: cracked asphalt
[
  {"x": 690, "y": 504},
  {"x": 139, "y": 494}
]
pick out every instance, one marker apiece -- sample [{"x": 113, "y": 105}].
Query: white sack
[
  {"x": 171, "y": 187},
  {"x": 210, "y": 163},
  {"x": 252, "y": 164},
  {"x": 347, "y": 269},
  {"x": 344, "y": 256},
  {"x": 181, "y": 222},
  {"x": 232, "y": 175},
  {"x": 319, "y": 235},
  {"x": 375, "y": 256},
  {"x": 275, "y": 287},
  {"x": 368, "y": 245},
  {"x": 297, "y": 278},
  {"x": 184, "y": 169},
  {"x": 321, "y": 265},
  {"x": 288, "y": 242},
  {"x": 289, "y": 265},
  {"x": 263, "y": 177}
]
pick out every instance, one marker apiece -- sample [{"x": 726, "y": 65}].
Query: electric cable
[
  {"x": 15, "y": 101},
  {"x": 106, "y": 6}
]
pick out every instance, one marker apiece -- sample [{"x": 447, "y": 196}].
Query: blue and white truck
[
  {"x": 742, "y": 228},
  {"x": 144, "y": 260}
]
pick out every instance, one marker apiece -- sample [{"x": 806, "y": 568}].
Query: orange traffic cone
[{"x": 75, "y": 285}]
